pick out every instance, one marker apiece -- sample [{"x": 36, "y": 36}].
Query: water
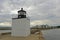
[
  {"x": 53, "y": 34},
  {"x": 4, "y": 31}
]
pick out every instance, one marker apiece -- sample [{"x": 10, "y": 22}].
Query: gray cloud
[{"x": 36, "y": 9}]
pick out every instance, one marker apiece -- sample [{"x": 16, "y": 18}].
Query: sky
[{"x": 38, "y": 11}]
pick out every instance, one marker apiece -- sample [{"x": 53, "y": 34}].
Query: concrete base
[{"x": 20, "y": 27}]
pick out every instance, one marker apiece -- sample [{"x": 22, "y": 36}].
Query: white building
[{"x": 21, "y": 25}]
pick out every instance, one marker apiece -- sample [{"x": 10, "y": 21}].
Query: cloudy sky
[{"x": 39, "y": 11}]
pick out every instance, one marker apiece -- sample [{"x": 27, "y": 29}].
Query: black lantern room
[{"x": 21, "y": 13}]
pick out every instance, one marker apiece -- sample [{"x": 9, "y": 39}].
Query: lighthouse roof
[{"x": 21, "y": 10}]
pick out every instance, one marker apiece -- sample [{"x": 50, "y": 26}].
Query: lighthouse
[{"x": 21, "y": 24}]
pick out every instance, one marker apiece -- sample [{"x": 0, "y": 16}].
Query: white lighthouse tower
[{"x": 21, "y": 25}]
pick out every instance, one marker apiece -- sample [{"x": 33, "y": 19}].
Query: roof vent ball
[{"x": 21, "y": 8}]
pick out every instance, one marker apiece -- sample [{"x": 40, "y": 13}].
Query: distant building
[{"x": 41, "y": 26}]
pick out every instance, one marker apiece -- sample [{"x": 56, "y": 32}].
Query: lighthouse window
[{"x": 21, "y": 13}]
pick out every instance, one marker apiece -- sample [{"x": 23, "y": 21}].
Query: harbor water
[{"x": 52, "y": 34}]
